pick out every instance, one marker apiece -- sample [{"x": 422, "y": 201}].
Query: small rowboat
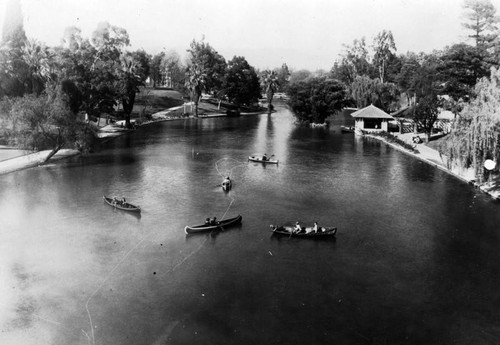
[
  {"x": 305, "y": 233},
  {"x": 220, "y": 225},
  {"x": 260, "y": 160},
  {"x": 125, "y": 206},
  {"x": 226, "y": 185}
]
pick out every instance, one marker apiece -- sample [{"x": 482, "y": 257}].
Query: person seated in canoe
[
  {"x": 226, "y": 181},
  {"x": 214, "y": 221},
  {"x": 316, "y": 228},
  {"x": 123, "y": 201},
  {"x": 297, "y": 228},
  {"x": 115, "y": 201},
  {"x": 278, "y": 228},
  {"x": 264, "y": 157},
  {"x": 207, "y": 221}
]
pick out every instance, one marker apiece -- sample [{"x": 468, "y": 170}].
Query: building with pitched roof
[{"x": 371, "y": 119}]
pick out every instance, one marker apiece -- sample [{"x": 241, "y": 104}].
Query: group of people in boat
[
  {"x": 121, "y": 202},
  {"x": 227, "y": 182},
  {"x": 301, "y": 229},
  {"x": 211, "y": 221}
]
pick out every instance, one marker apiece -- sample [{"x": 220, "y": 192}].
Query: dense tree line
[{"x": 86, "y": 78}]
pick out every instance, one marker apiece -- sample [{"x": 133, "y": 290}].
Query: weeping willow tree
[{"x": 475, "y": 135}]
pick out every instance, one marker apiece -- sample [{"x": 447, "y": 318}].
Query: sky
[{"x": 304, "y": 34}]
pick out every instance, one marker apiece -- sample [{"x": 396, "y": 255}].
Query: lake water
[{"x": 416, "y": 260}]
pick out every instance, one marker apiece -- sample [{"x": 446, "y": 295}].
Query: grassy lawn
[{"x": 149, "y": 101}]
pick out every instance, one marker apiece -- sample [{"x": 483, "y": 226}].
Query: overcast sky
[{"x": 302, "y": 33}]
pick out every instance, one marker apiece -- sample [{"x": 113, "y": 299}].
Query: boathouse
[{"x": 371, "y": 119}]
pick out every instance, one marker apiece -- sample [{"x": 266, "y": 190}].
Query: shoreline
[
  {"x": 34, "y": 159},
  {"x": 434, "y": 158}
]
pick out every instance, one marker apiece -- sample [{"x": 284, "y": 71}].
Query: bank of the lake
[{"x": 431, "y": 156}]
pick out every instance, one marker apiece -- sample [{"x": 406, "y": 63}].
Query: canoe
[
  {"x": 226, "y": 185},
  {"x": 122, "y": 206},
  {"x": 259, "y": 160},
  {"x": 221, "y": 224},
  {"x": 327, "y": 232}
]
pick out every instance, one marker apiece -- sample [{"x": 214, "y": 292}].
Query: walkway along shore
[{"x": 433, "y": 157}]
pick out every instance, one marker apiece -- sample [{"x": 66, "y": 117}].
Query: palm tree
[
  {"x": 36, "y": 57},
  {"x": 270, "y": 80},
  {"x": 195, "y": 83},
  {"x": 129, "y": 83}
]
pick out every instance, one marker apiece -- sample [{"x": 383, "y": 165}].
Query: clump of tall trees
[
  {"x": 50, "y": 96},
  {"x": 316, "y": 98},
  {"x": 460, "y": 78},
  {"x": 475, "y": 137}
]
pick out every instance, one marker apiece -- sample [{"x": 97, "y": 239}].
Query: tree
[
  {"x": 13, "y": 69},
  {"x": 315, "y": 98},
  {"x": 409, "y": 69},
  {"x": 36, "y": 56},
  {"x": 354, "y": 62},
  {"x": 384, "y": 47},
  {"x": 210, "y": 62},
  {"x": 426, "y": 113},
  {"x": 475, "y": 135},
  {"x": 271, "y": 85},
  {"x": 482, "y": 22},
  {"x": 366, "y": 91},
  {"x": 133, "y": 71},
  {"x": 462, "y": 67},
  {"x": 72, "y": 38},
  {"x": 283, "y": 75},
  {"x": 299, "y": 75},
  {"x": 195, "y": 83},
  {"x": 205, "y": 71},
  {"x": 427, "y": 86},
  {"x": 156, "y": 69},
  {"x": 241, "y": 84},
  {"x": 94, "y": 67},
  {"x": 46, "y": 122}
]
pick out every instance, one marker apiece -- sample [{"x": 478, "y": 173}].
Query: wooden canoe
[
  {"x": 121, "y": 206},
  {"x": 260, "y": 160},
  {"x": 226, "y": 185},
  {"x": 327, "y": 232},
  {"x": 220, "y": 225}
]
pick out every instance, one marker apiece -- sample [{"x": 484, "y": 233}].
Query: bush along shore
[{"x": 402, "y": 142}]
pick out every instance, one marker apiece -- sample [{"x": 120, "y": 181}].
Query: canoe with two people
[
  {"x": 227, "y": 184},
  {"x": 121, "y": 204},
  {"x": 213, "y": 224},
  {"x": 297, "y": 230},
  {"x": 263, "y": 159}
]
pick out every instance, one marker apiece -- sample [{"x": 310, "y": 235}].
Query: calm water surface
[{"x": 416, "y": 259}]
